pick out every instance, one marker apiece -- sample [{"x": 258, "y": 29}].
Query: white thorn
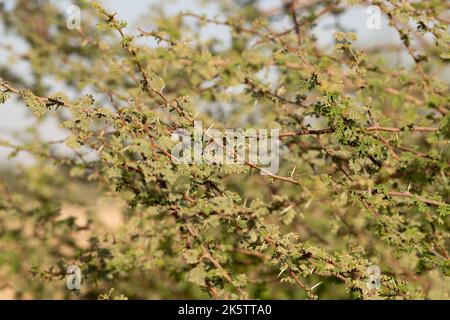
[
  {"x": 316, "y": 285},
  {"x": 292, "y": 173},
  {"x": 287, "y": 209},
  {"x": 283, "y": 270}
]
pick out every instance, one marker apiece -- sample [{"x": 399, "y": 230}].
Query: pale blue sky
[{"x": 13, "y": 116}]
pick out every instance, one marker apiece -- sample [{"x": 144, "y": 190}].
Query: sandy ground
[{"x": 108, "y": 217}]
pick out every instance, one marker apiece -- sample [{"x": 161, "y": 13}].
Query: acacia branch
[{"x": 368, "y": 129}]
